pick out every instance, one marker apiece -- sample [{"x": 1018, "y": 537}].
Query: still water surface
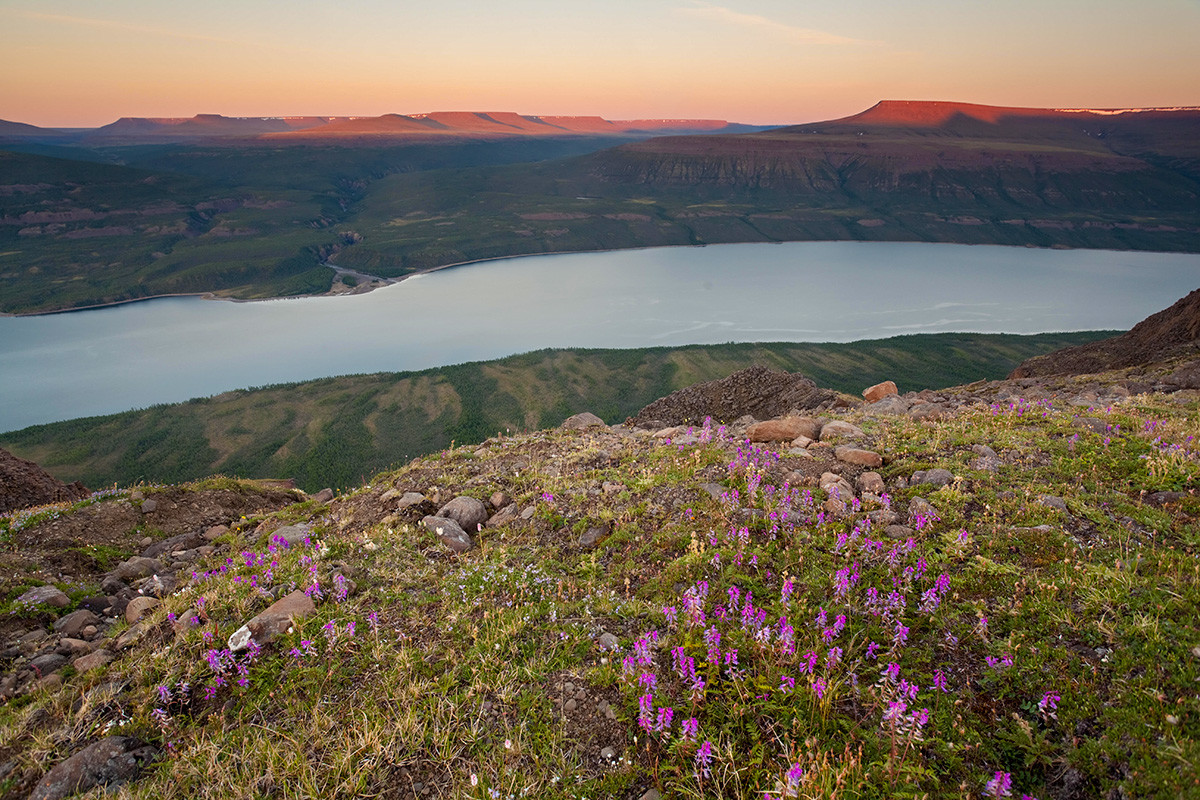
[{"x": 105, "y": 360}]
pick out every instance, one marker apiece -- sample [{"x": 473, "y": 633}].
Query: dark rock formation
[
  {"x": 1167, "y": 334},
  {"x": 758, "y": 391},
  {"x": 24, "y": 484}
]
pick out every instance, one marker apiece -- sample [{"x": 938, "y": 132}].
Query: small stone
[
  {"x": 33, "y": 637},
  {"x": 89, "y": 631},
  {"x": 784, "y": 429},
  {"x": 920, "y": 507},
  {"x": 899, "y": 532},
  {"x": 409, "y": 499},
  {"x": 499, "y": 500},
  {"x": 1196, "y": 651},
  {"x": 502, "y": 517},
  {"x": 608, "y": 754},
  {"x": 570, "y": 705},
  {"x": 927, "y": 411},
  {"x": 92, "y": 661},
  {"x": 113, "y": 760},
  {"x": 983, "y": 450},
  {"x": 568, "y": 688},
  {"x": 158, "y": 585},
  {"x": 323, "y": 496},
  {"x": 527, "y": 514},
  {"x": 610, "y": 713},
  {"x": 47, "y": 663},
  {"x": 149, "y": 506},
  {"x": 591, "y": 536},
  {"x": 608, "y": 641},
  {"x": 73, "y": 647},
  {"x": 135, "y": 568},
  {"x": 879, "y": 391},
  {"x": 45, "y": 595},
  {"x": 651, "y": 794},
  {"x": 1050, "y": 501},
  {"x": 449, "y": 532},
  {"x": 892, "y": 404},
  {"x": 130, "y": 637},
  {"x": 138, "y": 607},
  {"x": 51, "y": 682}
]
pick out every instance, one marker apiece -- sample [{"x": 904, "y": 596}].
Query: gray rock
[
  {"x": 108, "y": 762},
  {"x": 591, "y": 536},
  {"x": 608, "y": 754},
  {"x": 858, "y": 456},
  {"x": 323, "y": 496},
  {"x": 528, "y": 513},
  {"x": 583, "y": 421},
  {"x": 502, "y": 517},
  {"x": 47, "y": 663},
  {"x": 73, "y": 623},
  {"x": 899, "y": 532},
  {"x": 933, "y": 477},
  {"x": 450, "y": 532},
  {"x": 1054, "y": 502},
  {"x": 468, "y": 512},
  {"x": 883, "y": 517},
  {"x": 272, "y": 623},
  {"x": 651, "y": 794},
  {"x": 983, "y": 450},
  {"x": 183, "y": 541},
  {"x": 291, "y": 535},
  {"x": 840, "y": 429},
  {"x": 892, "y": 404},
  {"x": 149, "y": 506},
  {"x": 410, "y": 499},
  {"x": 215, "y": 532},
  {"x": 499, "y": 500},
  {"x": 73, "y": 647},
  {"x": 931, "y": 411},
  {"x": 1092, "y": 424},
  {"x": 45, "y": 595},
  {"x": 920, "y": 507},
  {"x": 713, "y": 490},
  {"x": 608, "y": 641},
  {"x": 130, "y": 637},
  {"x": 136, "y": 567},
  {"x": 160, "y": 585}
]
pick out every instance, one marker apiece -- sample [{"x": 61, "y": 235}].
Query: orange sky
[{"x": 86, "y": 63}]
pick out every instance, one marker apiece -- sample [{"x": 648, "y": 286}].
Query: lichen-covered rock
[
  {"x": 45, "y": 595},
  {"x": 110, "y": 761},
  {"x": 468, "y": 512},
  {"x": 272, "y": 623},
  {"x": 450, "y": 532}
]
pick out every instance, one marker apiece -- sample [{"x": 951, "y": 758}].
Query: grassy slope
[
  {"x": 335, "y": 431},
  {"x": 1063, "y": 639}
]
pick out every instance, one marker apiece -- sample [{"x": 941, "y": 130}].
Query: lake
[{"x": 111, "y": 359}]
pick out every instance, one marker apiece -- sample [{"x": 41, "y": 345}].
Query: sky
[{"x": 84, "y": 63}]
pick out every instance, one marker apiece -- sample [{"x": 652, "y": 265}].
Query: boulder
[
  {"x": 892, "y": 404},
  {"x": 933, "y": 477},
  {"x": 583, "y": 421},
  {"x": 468, "y": 512},
  {"x": 873, "y": 394},
  {"x": 870, "y": 482},
  {"x": 45, "y": 595},
  {"x": 409, "y": 499},
  {"x": 929, "y": 411},
  {"x": 291, "y": 535},
  {"x": 323, "y": 496},
  {"x": 215, "y": 532},
  {"x": 450, "y": 532},
  {"x": 858, "y": 457},
  {"x": 47, "y": 663},
  {"x": 109, "y": 762},
  {"x": 503, "y": 516},
  {"x": 272, "y": 623}
]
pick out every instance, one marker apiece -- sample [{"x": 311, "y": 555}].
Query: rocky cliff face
[
  {"x": 1172, "y": 333},
  {"x": 24, "y": 484}
]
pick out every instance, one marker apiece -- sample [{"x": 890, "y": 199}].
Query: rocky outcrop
[
  {"x": 761, "y": 392},
  {"x": 1167, "y": 334},
  {"x": 24, "y": 484}
]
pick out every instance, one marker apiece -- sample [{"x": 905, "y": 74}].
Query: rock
[
  {"x": 468, "y": 512},
  {"x": 840, "y": 429},
  {"x": 96, "y": 604},
  {"x": 934, "y": 477},
  {"x": 110, "y": 761},
  {"x": 111, "y": 585},
  {"x": 831, "y": 483},
  {"x": 323, "y": 496},
  {"x": 184, "y": 623},
  {"x": 983, "y": 450},
  {"x": 51, "y": 682},
  {"x": 570, "y": 705},
  {"x": 45, "y": 595},
  {"x": 24, "y": 484},
  {"x": 651, "y": 794},
  {"x": 410, "y": 499},
  {"x": 33, "y": 637},
  {"x": 215, "y": 532},
  {"x": 870, "y": 482},
  {"x": 1092, "y": 424},
  {"x": 802, "y": 442},
  {"x": 291, "y": 535},
  {"x": 92, "y": 661},
  {"x": 502, "y": 517},
  {"x": 920, "y": 508},
  {"x": 449, "y": 531},
  {"x": 499, "y": 500},
  {"x": 1050, "y": 501},
  {"x": 149, "y": 506},
  {"x": 130, "y": 637},
  {"x": 160, "y": 585},
  {"x": 583, "y": 421},
  {"x": 272, "y": 623},
  {"x": 899, "y": 532},
  {"x": 47, "y": 663},
  {"x": 858, "y": 457},
  {"x": 528, "y": 513},
  {"x": 138, "y": 608},
  {"x": 883, "y": 517},
  {"x": 1196, "y": 651},
  {"x": 785, "y": 429},
  {"x": 608, "y": 754},
  {"x": 608, "y": 641},
  {"x": 879, "y": 391},
  {"x": 927, "y": 411},
  {"x": 1164, "y": 498},
  {"x": 136, "y": 567},
  {"x": 591, "y": 536},
  {"x": 892, "y": 404},
  {"x": 73, "y": 647},
  {"x": 73, "y": 623}
]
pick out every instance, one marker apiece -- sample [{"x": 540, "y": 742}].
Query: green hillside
[{"x": 336, "y": 431}]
